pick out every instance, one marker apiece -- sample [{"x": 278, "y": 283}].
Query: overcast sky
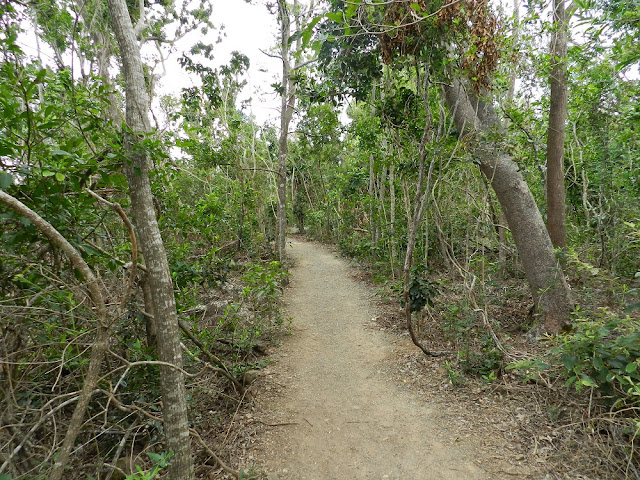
[{"x": 248, "y": 28}]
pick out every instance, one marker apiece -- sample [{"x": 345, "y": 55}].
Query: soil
[{"x": 338, "y": 403}]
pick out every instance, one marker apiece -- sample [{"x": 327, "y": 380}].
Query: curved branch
[
  {"x": 102, "y": 336},
  {"x": 132, "y": 237},
  {"x": 59, "y": 241}
]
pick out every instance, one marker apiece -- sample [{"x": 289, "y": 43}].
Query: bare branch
[
  {"x": 270, "y": 54},
  {"x": 132, "y": 237},
  {"x": 304, "y": 64}
]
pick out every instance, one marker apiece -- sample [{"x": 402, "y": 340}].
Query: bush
[{"x": 603, "y": 353}]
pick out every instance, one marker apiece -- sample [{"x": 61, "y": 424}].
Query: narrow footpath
[{"x": 338, "y": 416}]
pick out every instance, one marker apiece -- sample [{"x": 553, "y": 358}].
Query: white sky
[{"x": 248, "y": 28}]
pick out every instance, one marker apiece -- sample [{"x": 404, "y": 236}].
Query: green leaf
[
  {"x": 416, "y": 7},
  {"x": 48, "y": 173},
  {"x": 6, "y": 180},
  {"x": 587, "y": 381},
  {"x": 308, "y": 31},
  {"x": 5, "y": 150},
  {"x": 59, "y": 176},
  {"x": 155, "y": 457},
  {"x": 336, "y": 17},
  {"x": 351, "y": 10},
  {"x": 569, "y": 361},
  {"x": 632, "y": 367},
  {"x": 61, "y": 153},
  {"x": 295, "y": 36}
]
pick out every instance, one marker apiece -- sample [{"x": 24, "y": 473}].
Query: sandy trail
[{"x": 350, "y": 421}]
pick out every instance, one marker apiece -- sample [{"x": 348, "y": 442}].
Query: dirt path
[{"x": 348, "y": 420}]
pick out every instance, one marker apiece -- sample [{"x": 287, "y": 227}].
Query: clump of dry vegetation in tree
[{"x": 469, "y": 26}]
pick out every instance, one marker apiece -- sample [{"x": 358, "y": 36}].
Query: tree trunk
[
  {"x": 413, "y": 226},
  {"x": 174, "y": 407},
  {"x": 381, "y": 224},
  {"x": 475, "y": 118},
  {"x": 372, "y": 200},
  {"x": 392, "y": 215},
  {"x": 556, "y": 223},
  {"x": 288, "y": 99}
]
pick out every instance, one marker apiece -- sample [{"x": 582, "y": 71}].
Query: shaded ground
[{"x": 331, "y": 409}]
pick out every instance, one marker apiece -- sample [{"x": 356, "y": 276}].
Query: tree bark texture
[
  {"x": 287, "y": 102},
  {"x": 174, "y": 406},
  {"x": 392, "y": 215},
  {"x": 477, "y": 120},
  {"x": 556, "y": 223}
]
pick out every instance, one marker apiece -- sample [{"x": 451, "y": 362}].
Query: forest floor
[{"x": 342, "y": 399}]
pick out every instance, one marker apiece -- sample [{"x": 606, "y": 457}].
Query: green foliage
[
  {"x": 421, "y": 290},
  {"x": 486, "y": 362},
  {"x": 459, "y": 320},
  {"x": 603, "y": 353},
  {"x": 345, "y": 73},
  {"x": 263, "y": 287},
  {"x": 402, "y": 108},
  {"x": 477, "y": 353},
  {"x": 455, "y": 376},
  {"x": 160, "y": 462}
]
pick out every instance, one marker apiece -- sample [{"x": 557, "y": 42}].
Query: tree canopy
[{"x": 139, "y": 227}]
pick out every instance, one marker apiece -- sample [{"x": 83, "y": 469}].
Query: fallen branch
[
  {"x": 221, "y": 368},
  {"x": 282, "y": 424},
  {"x": 213, "y": 455}
]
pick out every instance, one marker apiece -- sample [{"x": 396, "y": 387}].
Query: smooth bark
[
  {"x": 392, "y": 214},
  {"x": 556, "y": 222},
  {"x": 476, "y": 119},
  {"x": 169, "y": 351},
  {"x": 287, "y": 103}
]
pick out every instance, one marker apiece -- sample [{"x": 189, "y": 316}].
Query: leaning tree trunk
[
  {"x": 556, "y": 223},
  {"x": 477, "y": 119},
  {"x": 174, "y": 406}
]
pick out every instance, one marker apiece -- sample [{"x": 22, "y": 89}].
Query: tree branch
[
  {"x": 272, "y": 55},
  {"x": 101, "y": 342},
  {"x": 303, "y": 64}
]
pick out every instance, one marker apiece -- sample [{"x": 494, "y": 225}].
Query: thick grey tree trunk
[
  {"x": 174, "y": 406},
  {"x": 556, "y": 223},
  {"x": 478, "y": 121}
]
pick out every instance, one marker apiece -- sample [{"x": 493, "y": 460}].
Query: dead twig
[
  {"x": 221, "y": 367},
  {"x": 213, "y": 455}
]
